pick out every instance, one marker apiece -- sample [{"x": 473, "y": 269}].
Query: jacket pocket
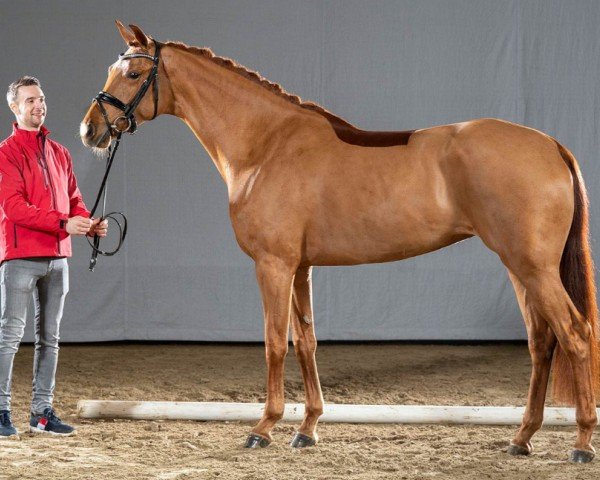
[{"x": 15, "y": 231}]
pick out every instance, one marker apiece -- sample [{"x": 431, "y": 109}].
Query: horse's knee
[
  {"x": 277, "y": 351},
  {"x": 305, "y": 347}
]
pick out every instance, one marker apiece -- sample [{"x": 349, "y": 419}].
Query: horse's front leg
[
  {"x": 275, "y": 277},
  {"x": 305, "y": 345}
]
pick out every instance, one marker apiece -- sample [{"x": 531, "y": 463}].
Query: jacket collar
[{"x": 28, "y": 136}]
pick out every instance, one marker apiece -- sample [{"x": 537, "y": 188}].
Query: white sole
[
  {"x": 9, "y": 437},
  {"x": 45, "y": 432}
]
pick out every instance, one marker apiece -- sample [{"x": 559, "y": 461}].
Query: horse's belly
[{"x": 369, "y": 243}]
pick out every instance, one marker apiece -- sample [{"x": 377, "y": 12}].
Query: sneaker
[
  {"x": 7, "y": 429},
  {"x": 48, "y": 422}
]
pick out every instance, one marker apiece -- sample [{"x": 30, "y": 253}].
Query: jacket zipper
[
  {"x": 49, "y": 181},
  {"x": 15, "y": 229},
  {"x": 44, "y": 169}
]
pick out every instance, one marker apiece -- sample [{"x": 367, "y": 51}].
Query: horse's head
[{"x": 132, "y": 93}]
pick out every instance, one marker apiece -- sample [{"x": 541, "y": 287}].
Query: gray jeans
[{"x": 47, "y": 281}]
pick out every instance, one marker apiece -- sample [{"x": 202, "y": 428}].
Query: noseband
[{"x": 129, "y": 109}]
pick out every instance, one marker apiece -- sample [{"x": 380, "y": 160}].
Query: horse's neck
[{"x": 228, "y": 113}]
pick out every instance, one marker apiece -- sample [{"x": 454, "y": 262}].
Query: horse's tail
[{"x": 577, "y": 274}]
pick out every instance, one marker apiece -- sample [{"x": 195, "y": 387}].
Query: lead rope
[
  {"x": 112, "y": 215},
  {"x": 128, "y": 114}
]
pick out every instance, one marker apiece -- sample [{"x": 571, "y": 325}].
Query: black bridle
[
  {"x": 114, "y": 129},
  {"x": 129, "y": 109}
]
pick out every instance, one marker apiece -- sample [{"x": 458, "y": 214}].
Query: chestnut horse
[{"x": 307, "y": 188}]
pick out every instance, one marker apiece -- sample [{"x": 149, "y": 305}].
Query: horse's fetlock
[
  {"x": 587, "y": 422},
  {"x": 532, "y": 425},
  {"x": 314, "y": 411},
  {"x": 274, "y": 415}
]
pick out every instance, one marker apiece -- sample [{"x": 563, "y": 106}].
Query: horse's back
[{"x": 485, "y": 177}]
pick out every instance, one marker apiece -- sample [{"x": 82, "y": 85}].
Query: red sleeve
[
  {"x": 13, "y": 201},
  {"x": 78, "y": 208}
]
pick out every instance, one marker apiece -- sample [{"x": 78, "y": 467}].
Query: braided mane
[{"x": 275, "y": 88}]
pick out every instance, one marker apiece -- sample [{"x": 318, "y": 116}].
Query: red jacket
[{"x": 38, "y": 194}]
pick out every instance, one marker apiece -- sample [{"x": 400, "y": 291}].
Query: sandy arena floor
[{"x": 394, "y": 374}]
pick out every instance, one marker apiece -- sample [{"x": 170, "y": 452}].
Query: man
[{"x": 40, "y": 208}]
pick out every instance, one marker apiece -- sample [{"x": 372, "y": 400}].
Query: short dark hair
[{"x": 13, "y": 88}]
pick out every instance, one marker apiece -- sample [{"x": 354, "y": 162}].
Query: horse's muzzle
[{"x": 90, "y": 136}]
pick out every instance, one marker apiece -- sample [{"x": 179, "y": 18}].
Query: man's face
[{"x": 30, "y": 107}]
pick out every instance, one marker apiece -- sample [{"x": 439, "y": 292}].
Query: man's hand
[
  {"x": 98, "y": 228},
  {"x": 78, "y": 225}
]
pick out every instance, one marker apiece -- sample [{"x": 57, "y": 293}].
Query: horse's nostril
[{"x": 86, "y": 130}]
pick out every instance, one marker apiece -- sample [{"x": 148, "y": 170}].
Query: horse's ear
[
  {"x": 128, "y": 37},
  {"x": 140, "y": 36}
]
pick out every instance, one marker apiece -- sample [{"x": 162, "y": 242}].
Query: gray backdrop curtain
[{"x": 386, "y": 65}]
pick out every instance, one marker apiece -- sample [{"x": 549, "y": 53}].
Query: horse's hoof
[
  {"x": 255, "y": 440},
  {"x": 514, "y": 449},
  {"x": 581, "y": 456},
  {"x": 300, "y": 441}
]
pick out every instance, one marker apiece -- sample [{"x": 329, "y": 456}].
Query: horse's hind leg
[
  {"x": 541, "y": 341},
  {"x": 275, "y": 278},
  {"x": 547, "y": 296},
  {"x": 305, "y": 345}
]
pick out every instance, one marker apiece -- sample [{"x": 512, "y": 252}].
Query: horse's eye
[{"x": 133, "y": 75}]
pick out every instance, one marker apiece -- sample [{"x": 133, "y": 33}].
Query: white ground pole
[{"x": 336, "y": 413}]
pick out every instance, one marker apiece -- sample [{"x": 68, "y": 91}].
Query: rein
[{"x": 113, "y": 129}]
